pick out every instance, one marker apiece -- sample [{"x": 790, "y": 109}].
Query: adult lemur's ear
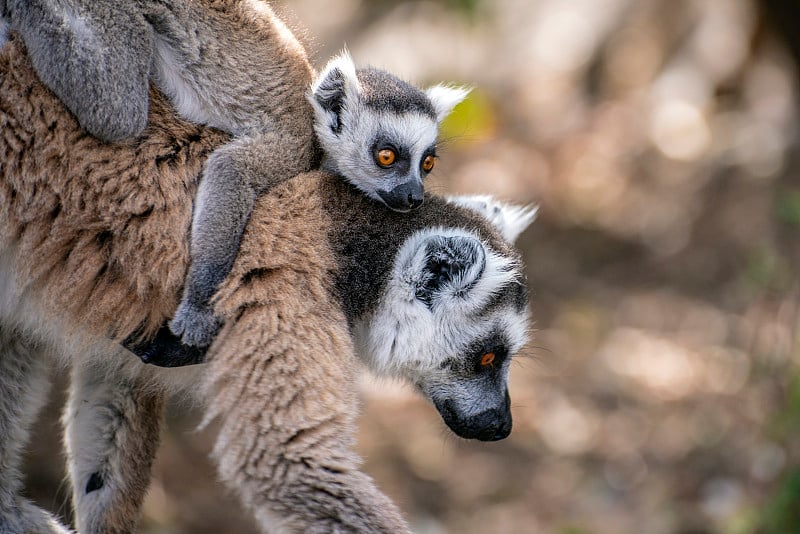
[
  {"x": 335, "y": 86},
  {"x": 511, "y": 220},
  {"x": 445, "y": 97},
  {"x": 449, "y": 265}
]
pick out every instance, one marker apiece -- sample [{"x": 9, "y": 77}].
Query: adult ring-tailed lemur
[{"x": 93, "y": 245}]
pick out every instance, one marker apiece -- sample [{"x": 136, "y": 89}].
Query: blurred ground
[{"x": 661, "y": 390}]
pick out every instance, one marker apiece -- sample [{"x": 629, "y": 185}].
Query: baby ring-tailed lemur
[{"x": 232, "y": 65}]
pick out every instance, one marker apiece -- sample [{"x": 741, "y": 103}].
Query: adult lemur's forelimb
[
  {"x": 23, "y": 391},
  {"x": 294, "y": 467},
  {"x": 112, "y": 427}
]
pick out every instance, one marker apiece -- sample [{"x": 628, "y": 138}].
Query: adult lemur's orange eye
[
  {"x": 428, "y": 163},
  {"x": 487, "y": 359},
  {"x": 385, "y": 157}
]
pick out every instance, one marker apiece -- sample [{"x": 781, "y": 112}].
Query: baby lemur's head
[{"x": 378, "y": 131}]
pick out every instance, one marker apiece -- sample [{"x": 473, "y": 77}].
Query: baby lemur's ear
[
  {"x": 335, "y": 86},
  {"x": 445, "y": 97},
  {"x": 509, "y": 219}
]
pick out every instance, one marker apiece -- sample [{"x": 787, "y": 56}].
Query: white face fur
[
  {"x": 451, "y": 301},
  {"x": 352, "y": 153},
  {"x": 383, "y": 152}
]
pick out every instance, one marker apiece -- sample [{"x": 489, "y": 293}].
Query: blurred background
[{"x": 660, "y": 392}]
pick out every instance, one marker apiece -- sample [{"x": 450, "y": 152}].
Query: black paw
[{"x": 166, "y": 350}]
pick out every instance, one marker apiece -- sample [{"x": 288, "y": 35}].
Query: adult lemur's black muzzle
[{"x": 492, "y": 424}]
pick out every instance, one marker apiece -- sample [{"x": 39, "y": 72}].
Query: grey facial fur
[
  {"x": 360, "y": 112},
  {"x": 427, "y": 313}
]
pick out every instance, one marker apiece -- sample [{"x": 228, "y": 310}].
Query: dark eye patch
[
  {"x": 495, "y": 345},
  {"x": 490, "y": 360},
  {"x": 402, "y": 163},
  {"x": 468, "y": 364}
]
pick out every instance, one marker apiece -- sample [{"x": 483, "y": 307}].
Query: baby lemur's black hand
[{"x": 165, "y": 350}]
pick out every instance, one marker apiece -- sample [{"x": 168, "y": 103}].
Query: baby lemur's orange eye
[
  {"x": 487, "y": 359},
  {"x": 385, "y": 157},
  {"x": 428, "y": 163}
]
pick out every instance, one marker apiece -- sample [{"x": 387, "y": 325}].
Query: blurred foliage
[
  {"x": 782, "y": 510},
  {"x": 472, "y": 120},
  {"x": 768, "y": 271},
  {"x": 786, "y": 422},
  {"x": 468, "y": 7},
  {"x": 788, "y": 206}
]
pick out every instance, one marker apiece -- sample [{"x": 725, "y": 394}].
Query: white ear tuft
[
  {"x": 333, "y": 88},
  {"x": 511, "y": 220},
  {"x": 444, "y": 98},
  {"x": 340, "y": 67}
]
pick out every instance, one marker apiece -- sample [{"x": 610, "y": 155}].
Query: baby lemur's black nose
[
  {"x": 405, "y": 197},
  {"x": 415, "y": 202}
]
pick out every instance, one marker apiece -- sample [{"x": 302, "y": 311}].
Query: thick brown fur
[
  {"x": 100, "y": 232},
  {"x": 114, "y": 251}
]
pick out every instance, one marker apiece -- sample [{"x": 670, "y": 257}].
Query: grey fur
[
  {"x": 234, "y": 176},
  {"x": 94, "y": 55},
  {"x": 244, "y": 73},
  {"x": 383, "y": 91},
  {"x": 23, "y": 392},
  {"x": 112, "y": 432}
]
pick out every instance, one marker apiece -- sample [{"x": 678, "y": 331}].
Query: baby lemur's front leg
[{"x": 234, "y": 176}]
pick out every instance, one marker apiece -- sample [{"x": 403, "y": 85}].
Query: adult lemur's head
[
  {"x": 438, "y": 297},
  {"x": 378, "y": 131}
]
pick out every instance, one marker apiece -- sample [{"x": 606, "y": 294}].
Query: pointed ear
[
  {"x": 444, "y": 98},
  {"x": 509, "y": 219},
  {"x": 336, "y": 84},
  {"x": 450, "y": 263}
]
